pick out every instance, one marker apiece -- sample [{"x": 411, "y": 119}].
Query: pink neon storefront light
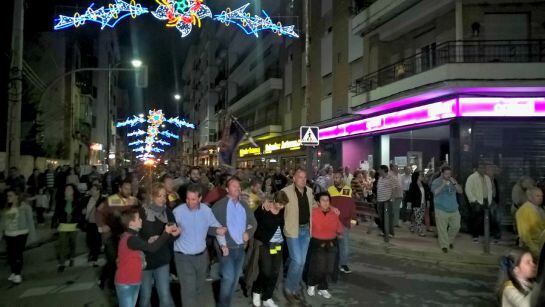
[{"x": 458, "y": 107}]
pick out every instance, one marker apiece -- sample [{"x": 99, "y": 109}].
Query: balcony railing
[
  {"x": 528, "y": 51},
  {"x": 243, "y": 91}
]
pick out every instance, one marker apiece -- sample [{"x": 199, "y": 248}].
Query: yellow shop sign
[
  {"x": 251, "y": 151},
  {"x": 291, "y": 145}
]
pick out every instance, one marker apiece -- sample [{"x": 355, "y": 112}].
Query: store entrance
[{"x": 421, "y": 149}]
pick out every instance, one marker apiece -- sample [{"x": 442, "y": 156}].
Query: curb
[{"x": 457, "y": 259}]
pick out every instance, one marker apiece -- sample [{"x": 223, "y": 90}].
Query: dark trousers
[
  {"x": 108, "y": 271},
  {"x": 15, "y": 246},
  {"x": 192, "y": 273},
  {"x": 66, "y": 246},
  {"x": 381, "y": 206},
  {"x": 476, "y": 224},
  {"x": 94, "y": 241},
  {"x": 269, "y": 268},
  {"x": 40, "y": 215},
  {"x": 322, "y": 262}
]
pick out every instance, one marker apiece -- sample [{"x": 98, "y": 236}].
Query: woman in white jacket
[
  {"x": 517, "y": 279},
  {"x": 16, "y": 225}
]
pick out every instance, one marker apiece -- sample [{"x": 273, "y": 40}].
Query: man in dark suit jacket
[{"x": 241, "y": 225}]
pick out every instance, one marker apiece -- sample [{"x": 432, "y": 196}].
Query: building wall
[{"x": 356, "y": 150}]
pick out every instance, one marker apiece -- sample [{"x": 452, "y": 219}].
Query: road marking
[{"x": 40, "y": 291}]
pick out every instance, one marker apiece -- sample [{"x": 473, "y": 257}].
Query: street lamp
[
  {"x": 136, "y": 63},
  {"x": 177, "y": 96}
]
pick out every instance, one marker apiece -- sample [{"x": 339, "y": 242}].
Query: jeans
[
  {"x": 161, "y": 276},
  {"x": 15, "y": 246},
  {"x": 390, "y": 217},
  {"x": 231, "y": 268},
  {"x": 269, "y": 267},
  {"x": 396, "y": 209},
  {"x": 448, "y": 225},
  {"x": 343, "y": 247},
  {"x": 127, "y": 294},
  {"x": 192, "y": 273},
  {"x": 495, "y": 221},
  {"x": 322, "y": 262},
  {"x": 297, "y": 248},
  {"x": 66, "y": 246}
]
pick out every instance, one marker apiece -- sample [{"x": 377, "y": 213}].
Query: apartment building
[{"x": 447, "y": 81}]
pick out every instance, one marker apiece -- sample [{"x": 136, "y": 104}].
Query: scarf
[{"x": 154, "y": 212}]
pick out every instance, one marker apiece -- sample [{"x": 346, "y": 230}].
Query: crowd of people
[{"x": 256, "y": 224}]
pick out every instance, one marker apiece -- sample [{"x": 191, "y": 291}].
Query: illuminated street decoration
[
  {"x": 253, "y": 25},
  {"x": 152, "y": 140},
  {"x": 105, "y": 16},
  {"x": 180, "y": 14}
]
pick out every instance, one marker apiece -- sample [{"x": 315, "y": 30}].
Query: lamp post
[{"x": 137, "y": 65}]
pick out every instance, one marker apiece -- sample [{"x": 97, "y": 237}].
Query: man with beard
[{"x": 194, "y": 178}]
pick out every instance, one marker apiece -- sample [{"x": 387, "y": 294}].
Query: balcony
[
  {"x": 373, "y": 13},
  {"x": 256, "y": 90},
  {"x": 454, "y": 61}
]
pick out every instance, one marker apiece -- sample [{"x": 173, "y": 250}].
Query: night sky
[{"x": 146, "y": 38}]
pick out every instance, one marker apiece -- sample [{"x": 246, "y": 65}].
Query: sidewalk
[
  {"x": 408, "y": 245},
  {"x": 44, "y": 234}
]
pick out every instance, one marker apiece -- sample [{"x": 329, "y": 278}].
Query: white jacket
[{"x": 474, "y": 189}]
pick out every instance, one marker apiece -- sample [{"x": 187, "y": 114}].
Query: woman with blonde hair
[{"x": 155, "y": 215}]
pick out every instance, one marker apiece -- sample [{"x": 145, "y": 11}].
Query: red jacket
[
  {"x": 130, "y": 259},
  {"x": 325, "y": 225}
]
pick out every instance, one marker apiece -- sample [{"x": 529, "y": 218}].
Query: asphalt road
[{"x": 377, "y": 280}]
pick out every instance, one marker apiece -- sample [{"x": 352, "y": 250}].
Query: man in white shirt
[
  {"x": 479, "y": 194},
  {"x": 347, "y": 176}
]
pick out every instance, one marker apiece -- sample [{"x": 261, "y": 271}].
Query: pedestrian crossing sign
[{"x": 309, "y": 135}]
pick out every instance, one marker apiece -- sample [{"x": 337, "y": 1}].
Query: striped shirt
[
  {"x": 50, "y": 179},
  {"x": 385, "y": 187}
]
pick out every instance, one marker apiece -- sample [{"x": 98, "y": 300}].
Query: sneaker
[
  {"x": 256, "y": 299},
  {"x": 345, "y": 269},
  {"x": 60, "y": 269},
  {"x": 269, "y": 303},
  {"x": 209, "y": 278},
  {"x": 324, "y": 293},
  {"x": 311, "y": 291},
  {"x": 445, "y": 250},
  {"x": 475, "y": 240},
  {"x": 17, "y": 279},
  {"x": 10, "y": 278}
]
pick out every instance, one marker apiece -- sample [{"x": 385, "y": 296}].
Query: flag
[{"x": 231, "y": 137}]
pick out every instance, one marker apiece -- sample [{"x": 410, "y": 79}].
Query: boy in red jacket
[
  {"x": 130, "y": 259},
  {"x": 326, "y": 226}
]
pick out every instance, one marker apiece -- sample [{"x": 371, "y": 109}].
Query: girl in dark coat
[
  {"x": 419, "y": 197},
  {"x": 69, "y": 214}
]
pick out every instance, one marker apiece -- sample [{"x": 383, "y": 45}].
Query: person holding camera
[{"x": 447, "y": 215}]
